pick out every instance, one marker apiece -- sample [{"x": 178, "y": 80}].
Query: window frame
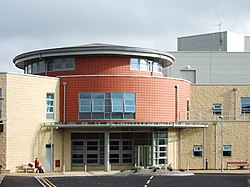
[
  {"x": 114, "y": 106},
  {"x": 142, "y": 64},
  {"x": 243, "y": 112},
  {"x": 134, "y": 62},
  {"x": 227, "y": 152},
  {"x": 217, "y": 109},
  {"x": 197, "y": 152},
  {"x": 49, "y": 113}
]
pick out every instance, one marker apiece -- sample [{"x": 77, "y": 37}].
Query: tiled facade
[{"x": 154, "y": 95}]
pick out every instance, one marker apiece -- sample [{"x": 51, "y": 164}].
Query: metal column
[{"x": 106, "y": 152}]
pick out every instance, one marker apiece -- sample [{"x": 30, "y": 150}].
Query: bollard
[
  {"x": 206, "y": 164},
  {"x": 110, "y": 168},
  {"x": 63, "y": 169},
  {"x": 85, "y": 169}
]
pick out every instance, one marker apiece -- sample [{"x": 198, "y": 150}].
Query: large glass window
[
  {"x": 50, "y": 106},
  {"x": 245, "y": 105},
  {"x": 99, "y": 105}
]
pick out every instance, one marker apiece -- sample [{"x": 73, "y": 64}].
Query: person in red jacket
[{"x": 38, "y": 166}]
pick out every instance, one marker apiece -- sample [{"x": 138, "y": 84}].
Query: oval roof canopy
[{"x": 94, "y": 49}]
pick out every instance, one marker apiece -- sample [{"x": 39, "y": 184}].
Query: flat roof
[{"x": 94, "y": 49}]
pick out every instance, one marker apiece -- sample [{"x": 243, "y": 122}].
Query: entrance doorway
[
  {"x": 144, "y": 155},
  {"x": 49, "y": 158}
]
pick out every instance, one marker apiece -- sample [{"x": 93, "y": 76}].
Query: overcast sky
[{"x": 27, "y": 25}]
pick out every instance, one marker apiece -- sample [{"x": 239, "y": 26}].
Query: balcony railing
[{"x": 207, "y": 115}]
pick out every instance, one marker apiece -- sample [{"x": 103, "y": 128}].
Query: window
[
  {"x": 34, "y": 68},
  {"x": 245, "y": 105},
  {"x": 1, "y": 94},
  {"x": 227, "y": 150},
  {"x": 41, "y": 66},
  {"x": 217, "y": 109},
  {"x": 188, "y": 110},
  {"x": 145, "y": 65},
  {"x": 29, "y": 69},
  {"x": 61, "y": 64},
  {"x": 99, "y": 105},
  {"x": 50, "y": 106},
  {"x": 58, "y": 64},
  {"x": 198, "y": 150},
  {"x": 134, "y": 64}
]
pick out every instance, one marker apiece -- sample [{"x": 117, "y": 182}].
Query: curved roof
[{"x": 94, "y": 49}]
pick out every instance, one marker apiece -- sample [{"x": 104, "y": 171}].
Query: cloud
[{"x": 32, "y": 24}]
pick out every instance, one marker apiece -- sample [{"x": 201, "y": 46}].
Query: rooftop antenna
[{"x": 220, "y": 27}]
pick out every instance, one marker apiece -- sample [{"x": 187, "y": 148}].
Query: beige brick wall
[
  {"x": 236, "y": 126},
  {"x": 3, "y": 134},
  {"x": 26, "y": 112},
  {"x": 173, "y": 147}
]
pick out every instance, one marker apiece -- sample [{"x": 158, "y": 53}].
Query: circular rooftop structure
[{"x": 164, "y": 58}]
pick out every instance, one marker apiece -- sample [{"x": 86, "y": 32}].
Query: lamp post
[{"x": 222, "y": 142}]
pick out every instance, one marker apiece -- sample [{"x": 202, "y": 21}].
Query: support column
[
  {"x": 106, "y": 152},
  {"x": 63, "y": 163}
]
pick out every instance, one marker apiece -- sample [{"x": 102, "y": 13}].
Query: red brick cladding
[
  {"x": 94, "y": 65},
  {"x": 155, "y": 96}
]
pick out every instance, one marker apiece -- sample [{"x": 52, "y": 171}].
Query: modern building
[
  {"x": 221, "y": 57},
  {"x": 98, "y": 105},
  {"x": 95, "y": 105},
  {"x": 218, "y": 41}
]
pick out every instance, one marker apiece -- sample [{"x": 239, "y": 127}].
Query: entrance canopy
[{"x": 126, "y": 124}]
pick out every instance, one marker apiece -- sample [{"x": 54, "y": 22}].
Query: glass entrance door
[{"x": 144, "y": 155}]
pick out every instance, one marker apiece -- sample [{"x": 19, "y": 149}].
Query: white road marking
[{"x": 150, "y": 178}]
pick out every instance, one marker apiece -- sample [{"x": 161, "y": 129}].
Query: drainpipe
[
  {"x": 235, "y": 103},
  {"x": 215, "y": 145},
  {"x": 51, "y": 150},
  {"x": 64, "y": 119},
  {"x": 64, "y": 101},
  {"x": 204, "y": 148},
  {"x": 180, "y": 146},
  {"x": 152, "y": 68},
  {"x": 176, "y": 102}
]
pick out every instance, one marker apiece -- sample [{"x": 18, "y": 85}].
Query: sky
[{"x": 28, "y": 25}]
